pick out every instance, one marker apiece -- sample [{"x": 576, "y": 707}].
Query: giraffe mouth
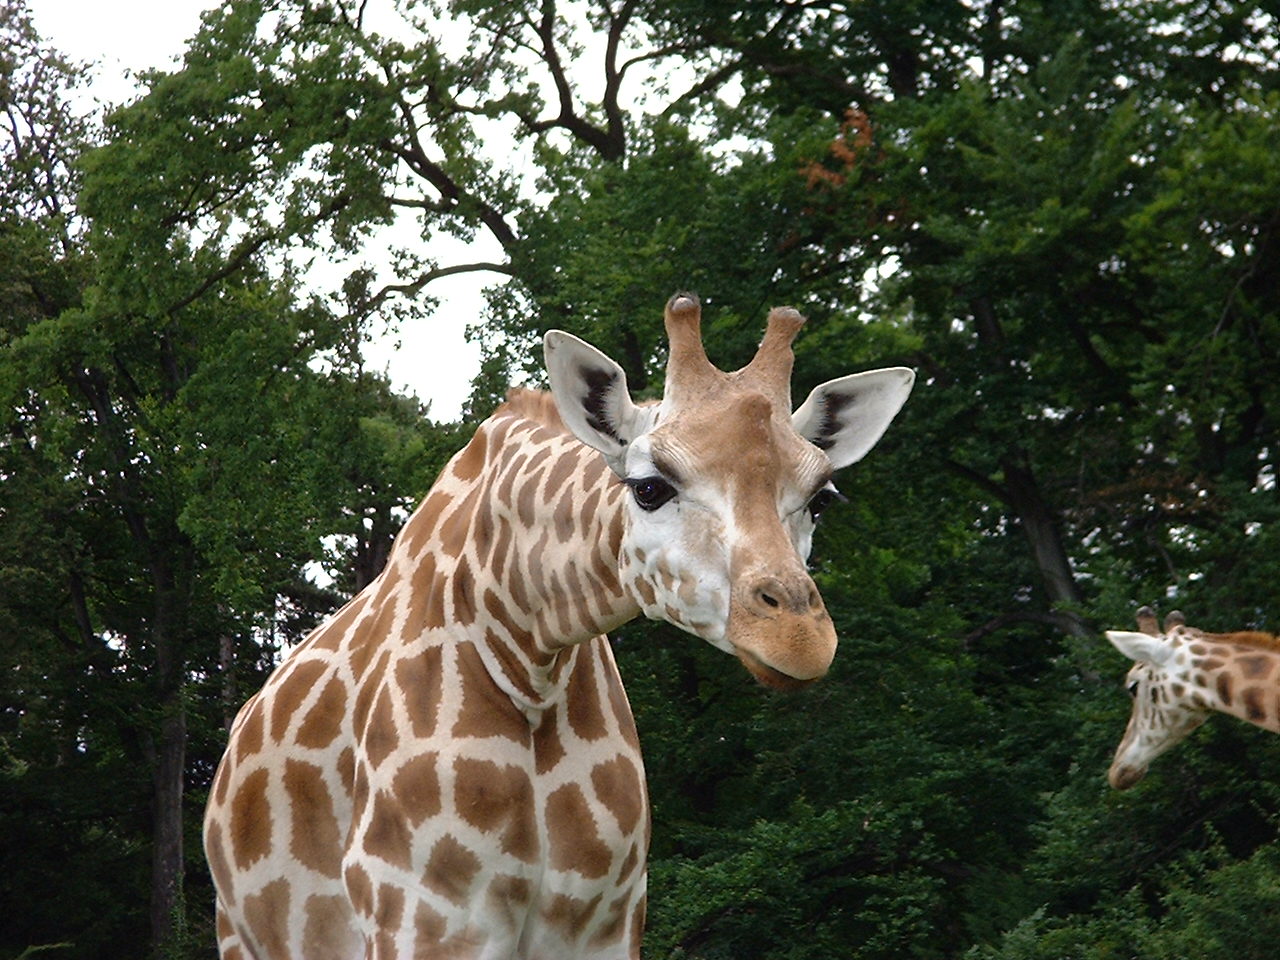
[{"x": 768, "y": 676}]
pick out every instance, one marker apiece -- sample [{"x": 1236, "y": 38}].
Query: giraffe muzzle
[
  {"x": 1123, "y": 776},
  {"x": 780, "y": 630}
]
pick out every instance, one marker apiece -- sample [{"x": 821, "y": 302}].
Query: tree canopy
[{"x": 1063, "y": 215}]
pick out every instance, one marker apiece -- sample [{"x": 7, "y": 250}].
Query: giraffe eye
[
  {"x": 825, "y": 498},
  {"x": 651, "y": 492},
  {"x": 1133, "y": 689}
]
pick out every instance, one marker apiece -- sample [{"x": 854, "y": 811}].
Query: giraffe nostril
[{"x": 769, "y": 600}]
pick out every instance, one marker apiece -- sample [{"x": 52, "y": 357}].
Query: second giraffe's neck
[
  {"x": 1238, "y": 674},
  {"x": 516, "y": 547}
]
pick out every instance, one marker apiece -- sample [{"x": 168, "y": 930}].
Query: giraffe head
[
  {"x": 1165, "y": 707},
  {"x": 726, "y": 484}
]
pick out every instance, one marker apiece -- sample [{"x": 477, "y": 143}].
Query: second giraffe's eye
[
  {"x": 651, "y": 492},
  {"x": 1133, "y": 689},
  {"x": 825, "y": 498}
]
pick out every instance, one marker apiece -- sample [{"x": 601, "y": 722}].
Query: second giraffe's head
[{"x": 726, "y": 483}]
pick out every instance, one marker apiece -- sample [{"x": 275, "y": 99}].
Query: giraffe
[
  {"x": 1183, "y": 673},
  {"x": 449, "y": 767}
]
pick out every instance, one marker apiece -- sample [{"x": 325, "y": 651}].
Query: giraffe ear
[
  {"x": 846, "y": 417},
  {"x": 1141, "y": 646},
  {"x": 591, "y": 395}
]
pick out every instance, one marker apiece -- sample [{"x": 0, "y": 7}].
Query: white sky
[{"x": 121, "y": 37}]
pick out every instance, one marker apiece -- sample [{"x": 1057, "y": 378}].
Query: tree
[
  {"x": 167, "y": 474},
  {"x": 1012, "y": 189},
  {"x": 1063, "y": 215}
]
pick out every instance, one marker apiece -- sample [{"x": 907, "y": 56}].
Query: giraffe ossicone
[
  {"x": 1179, "y": 676},
  {"x": 448, "y": 767}
]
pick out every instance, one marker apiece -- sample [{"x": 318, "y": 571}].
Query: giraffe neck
[
  {"x": 1237, "y": 674},
  {"x": 517, "y": 549}
]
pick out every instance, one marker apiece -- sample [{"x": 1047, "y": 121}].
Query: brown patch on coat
[
  {"x": 564, "y": 518},
  {"x": 250, "y": 821},
  {"x": 451, "y": 869},
  {"x": 470, "y": 460},
  {"x": 388, "y": 915},
  {"x": 329, "y": 635},
  {"x": 387, "y": 836},
  {"x": 423, "y": 523},
  {"x": 381, "y": 736},
  {"x": 267, "y": 916},
  {"x": 222, "y": 780},
  {"x": 216, "y": 853},
  {"x": 637, "y": 926},
  {"x": 485, "y": 710},
  {"x": 456, "y": 527},
  {"x": 1255, "y": 666},
  {"x": 346, "y": 767},
  {"x": 548, "y": 745},
  {"x": 509, "y": 897},
  {"x": 526, "y": 500},
  {"x": 417, "y": 784},
  {"x": 582, "y": 698},
  {"x": 621, "y": 707},
  {"x": 629, "y": 863},
  {"x": 429, "y": 929},
  {"x": 483, "y": 533},
  {"x": 323, "y": 722},
  {"x": 618, "y": 787},
  {"x": 503, "y": 559},
  {"x": 316, "y": 838},
  {"x": 590, "y": 504},
  {"x": 521, "y": 637},
  {"x": 496, "y": 799},
  {"x": 371, "y": 638},
  {"x": 1225, "y": 684},
  {"x": 558, "y": 477},
  {"x": 464, "y": 594},
  {"x": 1254, "y": 706},
  {"x": 327, "y": 932},
  {"x": 359, "y": 889},
  {"x": 614, "y": 926},
  {"x": 571, "y": 915},
  {"x": 426, "y": 598},
  {"x": 420, "y": 677},
  {"x": 249, "y": 734},
  {"x": 366, "y": 692},
  {"x": 573, "y": 835},
  {"x": 510, "y": 471}
]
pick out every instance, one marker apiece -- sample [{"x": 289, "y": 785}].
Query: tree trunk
[
  {"x": 166, "y": 843},
  {"x": 169, "y": 749},
  {"x": 1040, "y": 526}
]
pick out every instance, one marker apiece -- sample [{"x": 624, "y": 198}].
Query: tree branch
[{"x": 414, "y": 287}]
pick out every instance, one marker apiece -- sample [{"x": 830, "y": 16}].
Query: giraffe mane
[
  {"x": 1247, "y": 638},
  {"x": 536, "y": 405}
]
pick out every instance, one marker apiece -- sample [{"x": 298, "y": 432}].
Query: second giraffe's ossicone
[
  {"x": 448, "y": 767},
  {"x": 721, "y": 551}
]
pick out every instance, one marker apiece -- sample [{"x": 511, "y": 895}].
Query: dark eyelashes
[
  {"x": 825, "y": 498},
  {"x": 650, "y": 492}
]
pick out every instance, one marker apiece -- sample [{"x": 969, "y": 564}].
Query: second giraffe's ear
[
  {"x": 1141, "y": 646},
  {"x": 591, "y": 395},
  {"x": 846, "y": 417}
]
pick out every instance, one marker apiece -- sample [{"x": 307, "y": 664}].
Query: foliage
[{"x": 1063, "y": 215}]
